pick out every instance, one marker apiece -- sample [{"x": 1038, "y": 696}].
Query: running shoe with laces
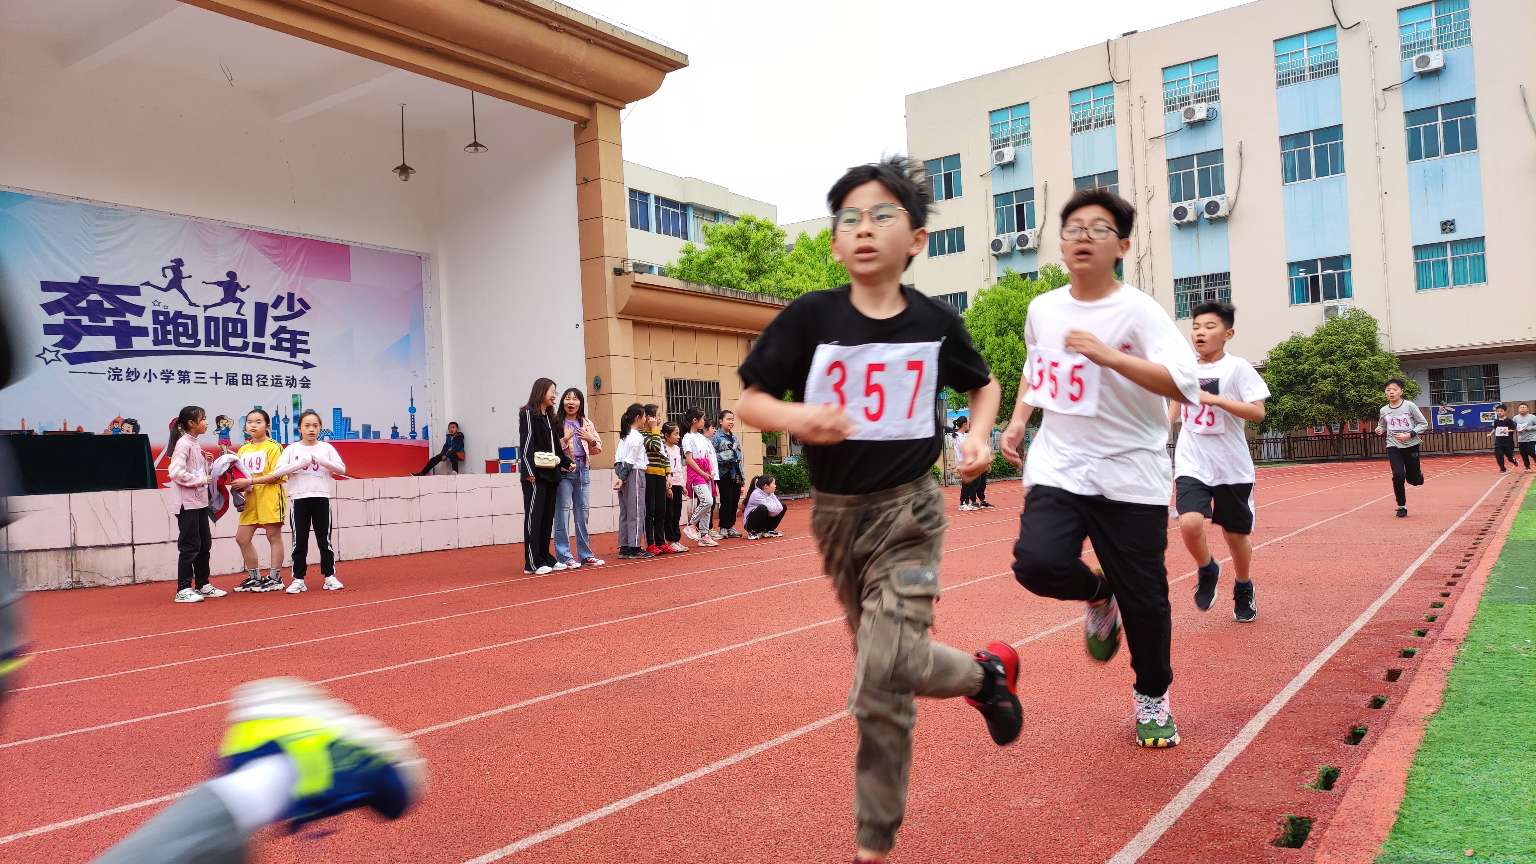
[
  {"x": 691, "y": 533},
  {"x": 297, "y": 586},
  {"x": 343, "y": 759},
  {"x": 188, "y": 595},
  {"x": 998, "y": 699},
  {"x": 593, "y": 561},
  {"x": 1154, "y": 721},
  {"x": 271, "y": 582},
  {"x": 211, "y": 590},
  {"x": 252, "y": 582},
  {"x": 332, "y": 584},
  {"x": 733, "y": 534},
  {"x": 1101, "y": 629},
  {"x": 1244, "y": 609},
  {"x": 1206, "y": 580},
  {"x": 677, "y": 548}
]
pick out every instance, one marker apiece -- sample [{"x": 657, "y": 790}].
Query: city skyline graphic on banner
[{"x": 135, "y": 314}]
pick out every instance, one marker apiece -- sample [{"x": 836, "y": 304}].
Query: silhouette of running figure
[
  {"x": 173, "y": 282},
  {"x": 232, "y": 287}
]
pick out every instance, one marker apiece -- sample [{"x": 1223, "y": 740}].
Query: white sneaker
[
  {"x": 966, "y": 508},
  {"x": 707, "y": 540},
  {"x": 188, "y": 595},
  {"x": 691, "y": 533},
  {"x": 558, "y": 566},
  {"x": 332, "y": 584},
  {"x": 751, "y": 536},
  {"x": 773, "y": 534},
  {"x": 594, "y": 562},
  {"x": 210, "y": 591},
  {"x": 297, "y": 586},
  {"x": 572, "y": 564},
  {"x": 544, "y": 571},
  {"x": 715, "y": 533}
]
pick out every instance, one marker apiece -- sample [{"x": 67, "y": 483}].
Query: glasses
[
  {"x": 1098, "y": 231},
  {"x": 883, "y": 215}
]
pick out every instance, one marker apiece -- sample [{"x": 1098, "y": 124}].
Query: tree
[
  {"x": 750, "y": 255},
  {"x": 996, "y": 324},
  {"x": 809, "y": 266},
  {"x": 1335, "y": 374}
]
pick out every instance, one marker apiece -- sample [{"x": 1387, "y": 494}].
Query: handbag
[{"x": 544, "y": 459}]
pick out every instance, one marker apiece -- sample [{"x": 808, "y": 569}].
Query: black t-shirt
[
  {"x": 1507, "y": 436},
  {"x": 889, "y": 375}
]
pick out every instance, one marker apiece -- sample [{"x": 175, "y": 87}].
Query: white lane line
[{"x": 1165, "y": 818}]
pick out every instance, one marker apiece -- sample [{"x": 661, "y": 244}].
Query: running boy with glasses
[
  {"x": 1103, "y": 359},
  {"x": 1402, "y": 422},
  {"x": 865, "y": 365}
]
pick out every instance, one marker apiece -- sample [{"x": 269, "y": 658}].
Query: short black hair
[
  {"x": 1501, "y": 407},
  {"x": 693, "y": 415},
  {"x": 1123, "y": 211},
  {"x": 901, "y": 176},
  {"x": 1220, "y": 308},
  {"x": 1398, "y": 381}
]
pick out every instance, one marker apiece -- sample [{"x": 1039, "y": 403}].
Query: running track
[{"x": 689, "y": 709}]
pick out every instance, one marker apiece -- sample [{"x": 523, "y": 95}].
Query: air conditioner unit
[
  {"x": 1215, "y": 207},
  {"x": 1002, "y": 156},
  {"x": 1334, "y": 310},
  {"x": 1197, "y": 113},
  {"x": 1427, "y": 62},
  {"x": 1002, "y": 244},
  {"x": 1183, "y": 213},
  {"x": 1026, "y": 240}
]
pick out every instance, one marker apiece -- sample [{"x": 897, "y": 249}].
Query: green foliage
[
  {"x": 750, "y": 255},
  {"x": 1001, "y": 468},
  {"x": 995, "y": 321},
  {"x": 792, "y": 477},
  {"x": 1333, "y": 375}
]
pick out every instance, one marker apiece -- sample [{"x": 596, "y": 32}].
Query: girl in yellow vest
[{"x": 264, "y": 504}]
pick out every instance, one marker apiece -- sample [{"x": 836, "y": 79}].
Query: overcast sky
[{"x": 779, "y": 97}]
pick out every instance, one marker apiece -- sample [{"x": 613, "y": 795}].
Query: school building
[
  {"x": 301, "y": 119},
  {"x": 1294, "y": 162}
]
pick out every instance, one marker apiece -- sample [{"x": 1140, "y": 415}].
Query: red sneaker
[
  {"x": 655, "y": 550},
  {"x": 998, "y": 699}
]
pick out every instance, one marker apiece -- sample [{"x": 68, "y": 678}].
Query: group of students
[
  {"x": 672, "y": 484},
  {"x": 278, "y": 485}
]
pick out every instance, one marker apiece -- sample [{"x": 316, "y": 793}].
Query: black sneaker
[
  {"x": 1244, "y": 609},
  {"x": 1205, "y": 589},
  {"x": 998, "y": 699},
  {"x": 1401, "y": 512},
  {"x": 251, "y": 583}
]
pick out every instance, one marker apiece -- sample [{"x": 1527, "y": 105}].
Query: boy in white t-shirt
[
  {"x": 1213, "y": 468},
  {"x": 1103, "y": 358}
]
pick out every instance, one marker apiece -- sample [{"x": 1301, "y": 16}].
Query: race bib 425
[
  {"x": 1063, "y": 381},
  {"x": 888, "y": 389},
  {"x": 1205, "y": 419}
]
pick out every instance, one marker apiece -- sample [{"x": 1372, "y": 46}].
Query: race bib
[
  {"x": 254, "y": 463},
  {"x": 1500, "y": 432},
  {"x": 888, "y": 389},
  {"x": 1399, "y": 423},
  {"x": 1063, "y": 381},
  {"x": 1204, "y": 419}
]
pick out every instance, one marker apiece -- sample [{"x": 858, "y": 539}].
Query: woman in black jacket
[{"x": 538, "y": 441}]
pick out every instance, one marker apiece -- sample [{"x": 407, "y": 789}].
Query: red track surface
[{"x": 667, "y": 711}]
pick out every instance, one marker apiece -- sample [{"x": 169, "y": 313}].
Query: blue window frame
[
  {"x": 1306, "y": 57},
  {"x": 639, "y": 210},
  {"x": 1107, "y": 180},
  {"x": 1437, "y": 26},
  {"x": 1010, "y": 126},
  {"x": 1092, "y": 107},
  {"x": 1320, "y": 280},
  {"x": 1442, "y": 130},
  {"x": 946, "y": 242},
  {"x": 1309, "y": 155},
  {"x": 671, "y": 218},
  {"x": 1189, "y": 83},
  {"x": 1196, "y": 176},
  {"x": 1449, "y": 265},
  {"x": 944, "y": 177},
  {"x": 1015, "y": 210}
]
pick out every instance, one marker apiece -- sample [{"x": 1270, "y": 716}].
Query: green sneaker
[
  {"x": 1154, "y": 722},
  {"x": 1101, "y": 630}
]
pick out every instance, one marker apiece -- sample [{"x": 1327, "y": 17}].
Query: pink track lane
[{"x": 501, "y": 778}]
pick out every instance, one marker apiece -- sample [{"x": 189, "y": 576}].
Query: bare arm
[
  {"x": 1253, "y": 412},
  {"x": 813, "y": 424}
]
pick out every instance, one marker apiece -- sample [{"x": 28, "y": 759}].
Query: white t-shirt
[
  {"x": 632, "y": 450},
  {"x": 313, "y": 479},
  {"x": 1120, "y": 449},
  {"x": 702, "y": 449},
  {"x": 1213, "y": 446}
]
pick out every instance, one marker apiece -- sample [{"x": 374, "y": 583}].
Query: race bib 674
[{"x": 886, "y": 388}]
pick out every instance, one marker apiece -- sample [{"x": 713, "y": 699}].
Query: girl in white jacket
[{"x": 309, "y": 464}]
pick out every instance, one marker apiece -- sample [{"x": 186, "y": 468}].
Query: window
[
  {"x": 1438, "y": 26},
  {"x": 944, "y": 177},
  {"x": 1015, "y": 211},
  {"x": 703, "y": 218},
  {"x": 1309, "y": 155},
  {"x": 1442, "y": 130},
  {"x": 1093, "y": 107},
  {"x": 1189, "y": 83},
  {"x": 946, "y": 242},
  {"x": 1197, "y": 176},
  {"x": 960, "y": 300},
  {"x": 1010, "y": 126},
  {"x": 1191, "y": 291},
  {"x": 684, "y": 393},
  {"x": 1306, "y": 57},
  {"x": 1456, "y": 384},
  {"x": 1320, "y": 280},
  {"x": 639, "y": 210},
  {"x": 1108, "y": 180},
  {"x": 671, "y": 218},
  {"x": 1449, "y": 265}
]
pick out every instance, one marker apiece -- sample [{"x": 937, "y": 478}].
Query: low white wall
[{"x": 97, "y": 539}]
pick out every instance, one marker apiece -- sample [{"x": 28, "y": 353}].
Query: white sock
[{"x": 258, "y": 793}]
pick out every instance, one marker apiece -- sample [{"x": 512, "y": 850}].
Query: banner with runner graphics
[{"x": 121, "y": 313}]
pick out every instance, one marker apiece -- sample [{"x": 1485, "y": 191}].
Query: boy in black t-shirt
[
  {"x": 865, "y": 365},
  {"x": 1503, "y": 434}
]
